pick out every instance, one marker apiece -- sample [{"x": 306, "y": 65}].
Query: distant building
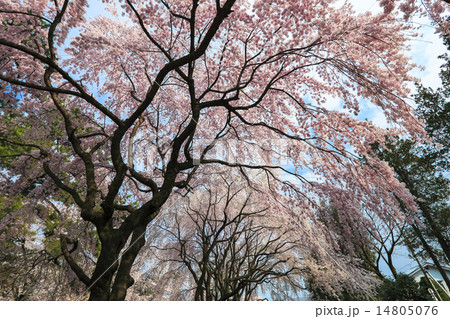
[{"x": 417, "y": 273}]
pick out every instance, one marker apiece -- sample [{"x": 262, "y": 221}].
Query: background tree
[
  {"x": 226, "y": 241},
  {"x": 229, "y": 246},
  {"x": 114, "y": 115},
  {"x": 404, "y": 288},
  {"x": 373, "y": 243},
  {"x": 424, "y": 168}
]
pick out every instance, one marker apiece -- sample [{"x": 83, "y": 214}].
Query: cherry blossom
[{"x": 152, "y": 95}]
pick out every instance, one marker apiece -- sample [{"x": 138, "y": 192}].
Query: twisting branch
[{"x": 72, "y": 263}]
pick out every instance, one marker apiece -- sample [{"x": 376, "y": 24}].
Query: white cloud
[
  {"x": 333, "y": 103},
  {"x": 425, "y": 52},
  {"x": 379, "y": 119}
]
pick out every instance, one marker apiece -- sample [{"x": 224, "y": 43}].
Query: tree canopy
[{"x": 105, "y": 118}]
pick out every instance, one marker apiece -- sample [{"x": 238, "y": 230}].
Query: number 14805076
[{"x": 407, "y": 310}]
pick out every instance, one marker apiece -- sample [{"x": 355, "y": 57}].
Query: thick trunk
[
  {"x": 123, "y": 279},
  {"x": 107, "y": 263},
  {"x": 111, "y": 278}
]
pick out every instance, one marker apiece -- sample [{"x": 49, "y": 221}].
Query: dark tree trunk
[
  {"x": 391, "y": 266},
  {"x": 107, "y": 263},
  {"x": 430, "y": 252},
  {"x": 123, "y": 279}
]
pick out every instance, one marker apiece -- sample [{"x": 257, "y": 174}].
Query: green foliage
[
  {"x": 404, "y": 288},
  {"x": 417, "y": 169},
  {"x": 9, "y": 151},
  {"x": 7, "y": 207},
  {"x": 434, "y": 108},
  {"x": 424, "y": 167},
  {"x": 444, "y": 296}
]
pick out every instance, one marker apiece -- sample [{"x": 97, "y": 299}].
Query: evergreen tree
[
  {"x": 423, "y": 167},
  {"x": 404, "y": 288}
]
